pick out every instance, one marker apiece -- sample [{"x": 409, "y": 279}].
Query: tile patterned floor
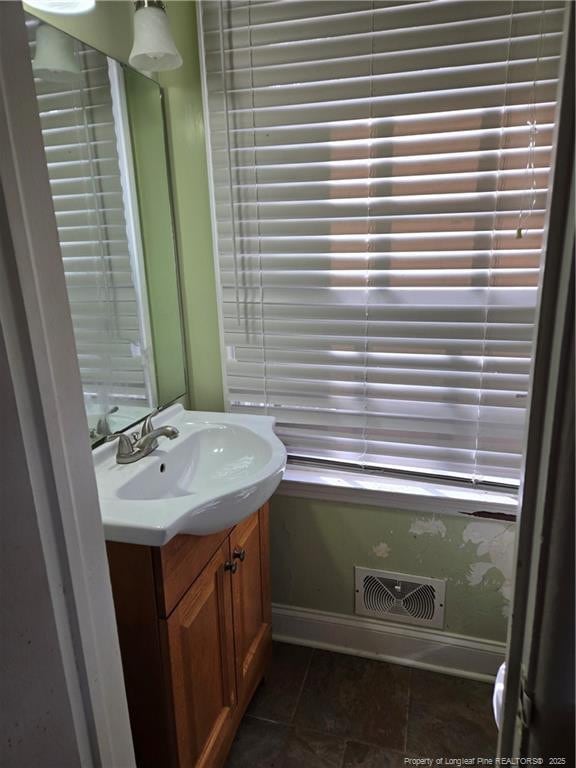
[{"x": 318, "y": 709}]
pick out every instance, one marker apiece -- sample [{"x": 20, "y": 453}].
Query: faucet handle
[
  {"x": 147, "y": 425},
  {"x": 125, "y": 446}
]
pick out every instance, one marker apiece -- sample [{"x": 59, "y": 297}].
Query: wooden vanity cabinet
[
  {"x": 194, "y": 622},
  {"x": 201, "y": 656},
  {"x": 251, "y": 600}
]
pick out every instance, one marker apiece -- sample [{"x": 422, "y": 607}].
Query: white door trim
[{"x": 40, "y": 348}]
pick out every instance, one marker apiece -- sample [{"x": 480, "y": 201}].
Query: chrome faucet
[
  {"x": 149, "y": 442},
  {"x": 131, "y": 450}
]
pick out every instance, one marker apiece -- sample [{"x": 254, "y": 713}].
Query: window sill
[{"x": 396, "y": 493}]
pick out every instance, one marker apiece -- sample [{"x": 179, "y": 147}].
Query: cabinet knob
[
  {"x": 239, "y": 554},
  {"x": 232, "y": 567}
]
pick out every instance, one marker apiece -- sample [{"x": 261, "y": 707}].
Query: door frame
[
  {"x": 548, "y": 467},
  {"x": 41, "y": 363}
]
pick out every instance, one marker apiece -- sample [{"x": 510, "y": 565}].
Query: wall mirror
[{"x": 104, "y": 136}]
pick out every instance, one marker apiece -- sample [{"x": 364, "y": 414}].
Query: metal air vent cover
[{"x": 400, "y": 597}]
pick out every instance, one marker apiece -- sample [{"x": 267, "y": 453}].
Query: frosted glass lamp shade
[
  {"x": 55, "y": 60},
  {"x": 64, "y": 7},
  {"x": 153, "y": 49}
]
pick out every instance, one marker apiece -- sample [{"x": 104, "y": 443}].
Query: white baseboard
[{"x": 407, "y": 645}]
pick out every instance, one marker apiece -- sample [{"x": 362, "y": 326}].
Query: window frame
[{"x": 359, "y": 485}]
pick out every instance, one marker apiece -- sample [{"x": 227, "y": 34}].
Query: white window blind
[
  {"x": 88, "y": 192},
  {"x": 372, "y": 163}
]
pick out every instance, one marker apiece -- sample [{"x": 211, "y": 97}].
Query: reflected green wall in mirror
[
  {"x": 145, "y": 111},
  {"x": 107, "y": 28}
]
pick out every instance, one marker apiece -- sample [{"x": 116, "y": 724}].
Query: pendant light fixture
[
  {"x": 154, "y": 49},
  {"x": 62, "y": 7}
]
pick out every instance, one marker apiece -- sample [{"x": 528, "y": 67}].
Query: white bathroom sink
[{"x": 220, "y": 469}]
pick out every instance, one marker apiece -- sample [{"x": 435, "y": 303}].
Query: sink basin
[{"x": 220, "y": 469}]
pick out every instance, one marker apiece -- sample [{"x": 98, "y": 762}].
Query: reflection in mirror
[{"x": 105, "y": 148}]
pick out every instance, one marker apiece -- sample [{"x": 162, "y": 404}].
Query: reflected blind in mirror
[
  {"x": 380, "y": 174},
  {"x": 88, "y": 192}
]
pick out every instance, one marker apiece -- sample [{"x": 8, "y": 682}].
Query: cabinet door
[
  {"x": 201, "y": 649},
  {"x": 251, "y": 599}
]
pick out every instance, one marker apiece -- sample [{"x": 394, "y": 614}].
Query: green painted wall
[
  {"x": 192, "y": 207},
  {"x": 315, "y": 545}
]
